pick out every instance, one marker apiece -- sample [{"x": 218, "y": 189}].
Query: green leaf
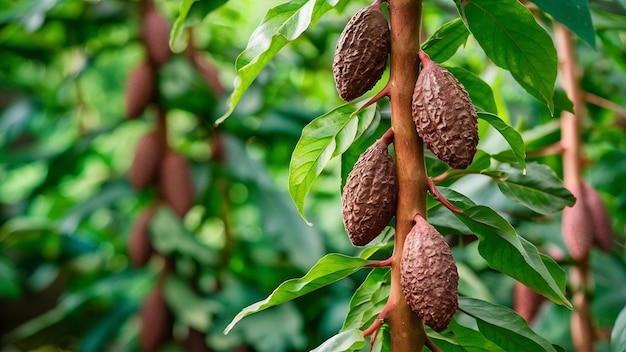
[
  {"x": 9, "y": 279},
  {"x": 364, "y": 305},
  {"x": 618, "y": 335},
  {"x": 281, "y": 24},
  {"x": 538, "y": 189},
  {"x": 190, "y": 13},
  {"x": 324, "y": 138},
  {"x": 479, "y": 91},
  {"x": 574, "y": 14},
  {"x": 187, "y": 306},
  {"x": 503, "y": 326},
  {"x": 510, "y": 135},
  {"x": 351, "y": 155},
  {"x": 332, "y": 267},
  {"x": 512, "y": 39},
  {"x": 349, "y": 340},
  {"x": 506, "y": 251},
  {"x": 461, "y": 338},
  {"x": 446, "y": 40}
]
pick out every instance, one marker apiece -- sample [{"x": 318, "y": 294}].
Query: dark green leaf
[
  {"x": 445, "y": 42},
  {"x": 503, "y": 326},
  {"x": 510, "y": 135},
  {"x": 574, "y": 14},
  {"x": 463, "y": 339},
  {"x": 324, "y": 138},
  {"x": 329, "y": 269},
  {"x": 479, "y": 91},
  {"x": 618, "y": 335},
  {"x": 538, "y": 188},
  {"x": 9, "y": 281},
  {"x": 348, "y": 340},
  {"x": 510, "y": 36},
  {"x": 363, "y": 305},
  {"x": 99, "y": 337}
]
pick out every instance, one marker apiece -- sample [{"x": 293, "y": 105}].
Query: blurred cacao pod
[
  {"x": 139, "y": 245},
  {"x": 156, "y": 321},
  {"x": 428, "y": 275},
  {"x": 369, "y": 197},
  {"x": 175, "y": 183},
  {"x": 144, "y": 169},
  {"x": 140, "y": 89},
  {"x": 577, "y": 225},
  {"x": 361, "y": 53},
  {"x": 526, "y": 302},
  {"x": 602, "y": 224},
  {"x": 196, "y": 341},
  {"x": 155, "y": 32},
  {"x": 444, "y": 115}
]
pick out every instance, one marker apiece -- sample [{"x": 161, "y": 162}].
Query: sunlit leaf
[
  {"x": 446, "y": 40},
  {"x": 348, "y": 340},
  {"x": 513, "y": 138},
  {"x": 574, "y": 14}
]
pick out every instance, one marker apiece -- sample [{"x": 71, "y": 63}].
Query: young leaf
[
  {"x": 503, "y": 326},
  {"x": 446, "y": 41},
  {"x": 618, "y": 335},
  {"x": 512, "y": 39},
  {"x": 281, "y": 24},
  {"x": 324, "y": 138},
  {"x": 574, "y": 14},
  {"x": 329, "y": 269},
  {"x": 505, "y": 251},
  {"x": 363, "y": 305},
  {"x": 539, "y": 189},
  {"x": 479, "y": 91},
  {"x": 349, "y": 340},
  {"x": 510, "y": 135}
]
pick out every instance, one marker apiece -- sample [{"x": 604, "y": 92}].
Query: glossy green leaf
[
  {"x": 281, "y": 24},
  {"x": 618, "y": 335},
  {"x": 324, "y": 138},
  {"x": 538, "y": 189},
  {"x": 506, "y": 251},
  {"x": 574, "y": 14},
  {"x": 512, "y": 39},
  {"x": 463, "y": 339},
  {"x": 479, "y": 91},
  {"x": 513, "y": 138},
  {"x": 446, "y": 40},
  {"x": 348, "y": 340},
  {"x": 364, "y": 305},
  {"x": 332, "y": 267},
  {"x": 503, "y": 326}
]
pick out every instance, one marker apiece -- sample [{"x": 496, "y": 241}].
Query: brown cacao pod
[
  {"x": 576, "y": 224},
  {"x": 140, "y": 89},
  {"x": 175, "y": 183},
  {"x": 369, "y": 197},
  {"x": 196, "y": 341},
  {"x": 428, "y": 275},
  {"x": 526, "y": 302},
  {"x": 444, "y": 115},
  {"x": 602, "y": 224},
  {"x": 139, "y": 245},
  {"x": 155, "y": 33},
  {"x": 144, "y": 168},
  {"x": 361, "y": 53},
  {"x": 156, "y": 321}
]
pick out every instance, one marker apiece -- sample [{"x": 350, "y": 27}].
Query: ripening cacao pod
[
  {"x": 602, "y": 224},
  {"x": 155, "y": 33},
  {"x": 361, "y": 53},
  {"x": 175, "y": 183},
  {"x": 156, "y": 321},
  {"x": 428, "y": 275},
  {"x": 139, "y": 245},
  {"x": 144, "y": 168},
  {"x": 140, "y": 89},
  {"x": 526, "y": 302},
  {"x": 369, "y": 197},
  {"x": 576, "y": 224},
  {"x": 444, "y": 115}
]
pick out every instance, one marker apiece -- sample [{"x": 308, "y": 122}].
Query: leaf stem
[{"x": 438, "y": 196}]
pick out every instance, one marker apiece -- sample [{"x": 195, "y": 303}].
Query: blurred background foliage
[{"x": 66, "y": 207}]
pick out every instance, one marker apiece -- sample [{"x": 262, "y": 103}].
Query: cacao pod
[
  {"x": 196, "y": 341},
  {"x": 144, "y": 168},
  {"x": 140, "y": 89},
  {"x": 428, "y": 275},
  {"x": 175, "y": 183},
  {"x": 155, "y": 33},
  {"x": 369, "y": 197},
  {"x": 444, "y": 115},
  {"x": 361, "y": 53},
  {"x": 576, "y": 224},
  {"x": 602, "y": 224},
  {"x": 526, "y": 302},
  {"x": 156, "y": 321},
  {"x": 139, "y": 245}
]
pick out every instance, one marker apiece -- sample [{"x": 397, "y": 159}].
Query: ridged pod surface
[
  {"x": 428, "y": 275},
  {"x": 144, "y": 168},
  {"x": 155, "y": 32},
  {"x": 444, "y": 115},
  {"x": 139, "y": 245},
  {"x": 140, "y": 89},
  {"x": 576, "y": 224},
  {"x": 175, "y": 183},
  {"x": 602, "y": 224},
  {"x": 156, "y": 321},
  {"x": 526, "y": 302},
  {"x": 369, "y": 197},
  {"x": 361, "y": 53}
]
